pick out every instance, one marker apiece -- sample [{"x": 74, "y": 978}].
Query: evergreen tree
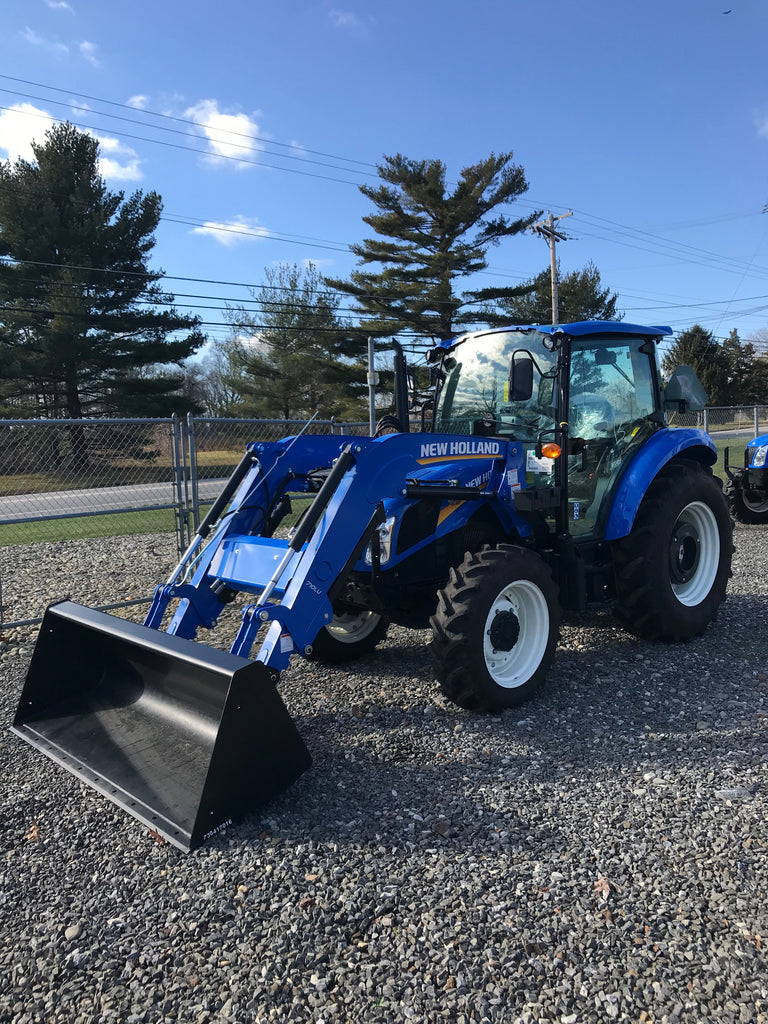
[
  {"x": 756, "y": 390},
  {"x": 294, "y": 356},
  {"x": 699, "y": 349},
  {"x": 78, "y": 302},
  {"x": 580, "y": 297},
  {"x": 428, "y": 240},
  {"x": 741, "y": 357}
]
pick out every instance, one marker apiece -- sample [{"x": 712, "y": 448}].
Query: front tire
[
  {"x": 742, "y": 508},
  {"x": 495, "y": 629},
  {"x": 673, "y": 568},
  {"x": 348, "y": 636}
]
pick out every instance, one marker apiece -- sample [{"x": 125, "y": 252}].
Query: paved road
[
  {"x": 96, "y": 499},
  {"x": 747, "y": 433}
]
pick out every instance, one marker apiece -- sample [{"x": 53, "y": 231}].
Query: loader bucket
[{"x": 184, "y": 737}]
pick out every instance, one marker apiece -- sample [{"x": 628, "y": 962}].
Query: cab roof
[{"x": 574, "y": 330}]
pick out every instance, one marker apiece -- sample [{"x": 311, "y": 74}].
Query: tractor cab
[{"x": 580, "y": 397}]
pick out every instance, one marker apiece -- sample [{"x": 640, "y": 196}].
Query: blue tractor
[
  {"x": 746, "y": 489},
  {"x": 544, "y": 478}
]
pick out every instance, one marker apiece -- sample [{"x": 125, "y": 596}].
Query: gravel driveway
[{"x": 597, "y": 855}]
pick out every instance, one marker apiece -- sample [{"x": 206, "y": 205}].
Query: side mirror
[
  {"x": 684, "y": 392},
  {"x": 520, "y": 385}
]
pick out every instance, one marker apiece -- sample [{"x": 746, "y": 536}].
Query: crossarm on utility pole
[{"x": 546, "y": 228}]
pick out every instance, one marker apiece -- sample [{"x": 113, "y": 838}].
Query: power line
[
  {"x": 622, "y": 229},
  {"x": 346, "y": 311},
  {"x": 157, "y": 276},
  {"x": 167, "y": 117},
  {"x": 261, "y": 148},
  {"x": 665, "y": 247},
  {"x": 188, "y": 149}
]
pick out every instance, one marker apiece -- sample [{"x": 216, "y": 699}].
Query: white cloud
[
  {"x": 139, "y": 102},
  {"x": 116, "y": 160},
  {"x": 343, "y": 19},
  {"x": 228, "y": 135},
  {"x": 20, "y": 126},
  {"x": 23, "y": 124},
  {"x": 34, "y": 39},
  {"x": 88, "y": 53},
  {"x": 59, "y": 5},
  {"x": 233, "y": 232}
]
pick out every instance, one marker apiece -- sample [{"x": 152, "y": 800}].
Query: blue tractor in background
[
  {"x": 544, "y": 478},
  {"x": 746, "y": 489}
]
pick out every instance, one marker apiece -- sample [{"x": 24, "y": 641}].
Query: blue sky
[{"x": 256, "y": 122}]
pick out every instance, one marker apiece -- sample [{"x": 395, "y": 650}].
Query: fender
[{"x": 654, "y": 455}]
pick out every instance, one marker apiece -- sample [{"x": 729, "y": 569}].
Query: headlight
[
  {"x": 385, "y": 542},
  {"x": 760, "y": 453}
]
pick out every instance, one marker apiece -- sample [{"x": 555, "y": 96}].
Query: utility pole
[
  {"x": 546, "y": 228},
  {"x": 372, "y": 378}
]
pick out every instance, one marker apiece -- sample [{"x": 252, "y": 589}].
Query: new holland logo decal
[{"x": 473, "y": 449}]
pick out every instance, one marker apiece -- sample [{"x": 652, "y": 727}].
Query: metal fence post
[
  {"x": 193, "y": 475},
  {"x": 706, "y": 419},
  {"x": 756, "y": 411},
  {"x": 183, "y": 533}
]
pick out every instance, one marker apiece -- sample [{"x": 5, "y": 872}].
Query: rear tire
[
  {"x": 742, "y": 509},
  {"x": 348, "y": 636},
  {"x": 673, "y": 568},
  {"x": 495, "y": 629}
]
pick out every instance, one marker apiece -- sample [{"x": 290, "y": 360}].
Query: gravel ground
[{"x": 597, "y": 855}]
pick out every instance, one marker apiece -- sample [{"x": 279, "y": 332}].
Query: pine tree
[
  {"x": 741, "y": 357},
  {"x": 81, "y": 311},
  {"x": 580, "y": 294},
  {"x": 294, "y": 356},
  {"x": 429, "y": 238}
]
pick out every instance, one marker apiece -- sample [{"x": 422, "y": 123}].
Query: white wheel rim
[
  {"x": 353, "y": 627},
  {"x": 697, "y": 525},
  {"x": 514, "y": 667}
]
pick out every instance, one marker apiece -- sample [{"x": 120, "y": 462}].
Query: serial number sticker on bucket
[{"x": 286, "y": 643}]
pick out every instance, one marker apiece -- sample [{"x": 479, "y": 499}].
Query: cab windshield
[{"x": 474, "y": 398}]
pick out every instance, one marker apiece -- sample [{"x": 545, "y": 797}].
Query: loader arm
[{"x": 294, "y": 579}]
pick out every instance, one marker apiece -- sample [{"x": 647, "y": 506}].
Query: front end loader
[
  {"x": 188, "y": 738},
  {"x": 544, "y": 478}
]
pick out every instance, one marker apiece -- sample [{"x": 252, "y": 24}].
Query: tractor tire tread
[
  {"x": 642, "y": 604},
  {"x": 740, "y": 511},
  {"x": 457, "y": 621}
]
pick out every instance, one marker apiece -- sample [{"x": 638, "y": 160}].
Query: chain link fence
[
  {"x": 75, "y": 483},
  {"x": 53, "y": 473},
  {"x": 215, "y": 446},
  {"x": 72, "y": 482},
  {"x": 737, "y": 421}
]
